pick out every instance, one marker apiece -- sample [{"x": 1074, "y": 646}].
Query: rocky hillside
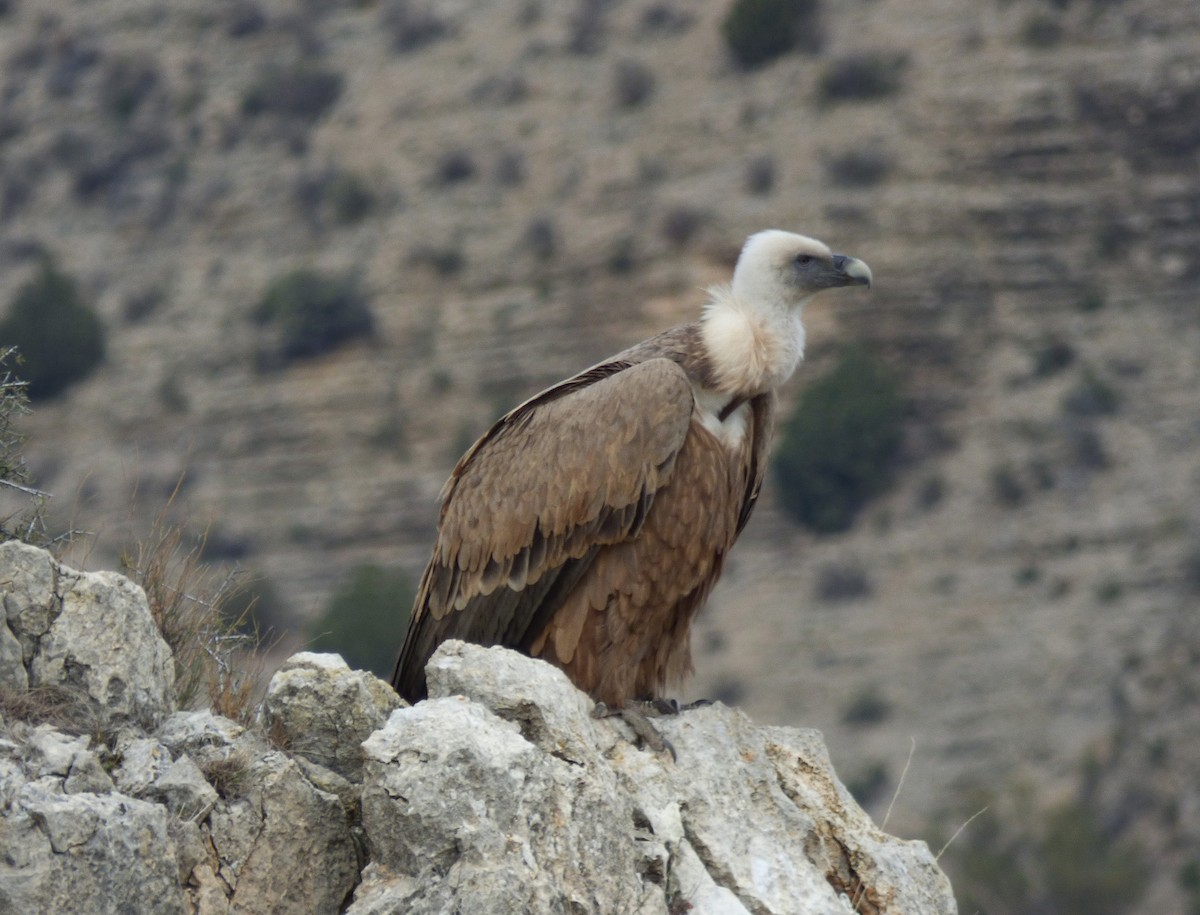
[
  {"x": 501, "y": 793},
  {"x": 521, "y": 189}
]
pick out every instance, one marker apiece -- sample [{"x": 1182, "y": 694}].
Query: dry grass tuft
[
  {"x": 66, "y": 709},
  {"x": 217, "y": 663}
]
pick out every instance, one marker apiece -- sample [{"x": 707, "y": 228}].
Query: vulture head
[{"x": 779, "y": 268}]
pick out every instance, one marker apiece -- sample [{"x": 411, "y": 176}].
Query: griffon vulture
[{"x": 589, "y": 524}]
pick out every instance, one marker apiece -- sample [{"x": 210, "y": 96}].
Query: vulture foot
[{"x": 637, "y": 715}]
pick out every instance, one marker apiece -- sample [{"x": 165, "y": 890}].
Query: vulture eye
[{"x": 803, "y": 260}]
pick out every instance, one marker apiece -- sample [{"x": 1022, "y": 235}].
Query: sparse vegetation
[
  {"x": 682, "y": 223},
  {"x": 868, "y": 707},
  {"x": 216, "y": 664},
  {"x": 760, "y": 175},
  {"x": 633, "y": 84},
  {"x": 858, "y": 167},
  {"x": 931, "y": 492},
  {"x": 1007, "y": 488},
  {"x": 1051, "y": 357},
  {"x": 1041, "y": 30},
  {"x": 126, "y": 83},
  {"x": 541, "y": 238},
  {"x": 312, "y": 313},
  {"x": 60, "y": 338},
  {"x": 839, "y": 581},
  {"x": 413, "y": 25},
  {"x": 1092, "y": 396},
  {"x": 455, "y": 167},
  {"x": 445, "y": 260},
  {"x": 760, "y": 31},
  {"x": 588, "y": 27},
  {"x": 1062, "y": 859},
  {"x": 302, "y": 93},
  {"x": 371, "y": 603},
  {"x": 861, "y": 77},
  {"x": 24, "y": 522},
  {"x": 839, "y": 448},
  {"x": 350, "y": 198},
  {"x": 869, "y": 786}
]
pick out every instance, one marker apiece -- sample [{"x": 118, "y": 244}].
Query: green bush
[
  {"x": 59, "y": 336},
  {"x": 839, "y": 447},
  {"x": 366, "y": 618},
  {"x": 758, "y": 31},
  {"x": 314, "y": 313}
]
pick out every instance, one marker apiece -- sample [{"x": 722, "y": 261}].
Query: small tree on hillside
[
  {"x": 839, "y": 447},
  {"x": 59, "y": 336}
]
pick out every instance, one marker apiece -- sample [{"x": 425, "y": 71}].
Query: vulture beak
[{"x": 850, "y": 271}]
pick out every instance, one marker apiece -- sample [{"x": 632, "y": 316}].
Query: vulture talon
[{"x": 637, "y": 715}]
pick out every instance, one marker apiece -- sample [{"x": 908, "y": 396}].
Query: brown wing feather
[
  {"x": 624, "y": 631},
  {"x": 526, "y": 509}
]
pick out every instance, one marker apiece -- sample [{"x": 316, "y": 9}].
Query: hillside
[{"x": 522, "y": 190}]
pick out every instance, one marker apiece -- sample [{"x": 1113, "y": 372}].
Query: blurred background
[{"x": 272, "y": 265}]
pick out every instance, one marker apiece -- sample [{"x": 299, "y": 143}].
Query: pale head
[
  {"x": 783, "y": 269},
  {"x": 752, "y": 332}
]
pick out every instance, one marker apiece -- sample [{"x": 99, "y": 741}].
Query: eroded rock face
[
  {"x": 501, "y": 793},
  {"x": 320, "y": 709},
  {"x": 88, "y": 632},
  {"x": 504, "y": 771}
]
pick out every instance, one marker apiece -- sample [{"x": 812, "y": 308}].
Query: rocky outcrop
[{"x": 500, "y": 793}]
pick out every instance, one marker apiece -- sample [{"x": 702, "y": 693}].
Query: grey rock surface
[
  {"x": 87, "y": 632},
  {"x": 500, "y": 793},
  {"x": 320, "y": 709},
  {"x": 504, "y": 771},
  {"x": 95, "y": 853}
]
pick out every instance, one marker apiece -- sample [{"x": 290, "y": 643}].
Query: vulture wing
[{"x": 526, "y": 510}]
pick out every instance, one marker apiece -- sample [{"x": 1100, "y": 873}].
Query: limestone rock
[
  {"x": 283, "y": 845},
  {"x": 91, "y": 633},
  {"x": 95, "y": 853},
  {"x": 320, "y": 709},
  {"x": 501, "y": 793}
]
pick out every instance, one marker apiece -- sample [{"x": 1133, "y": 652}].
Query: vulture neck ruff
[{"x": 751, "y": 347}]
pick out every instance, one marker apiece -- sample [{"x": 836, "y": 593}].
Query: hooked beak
[{"x": 852, "y": 271}]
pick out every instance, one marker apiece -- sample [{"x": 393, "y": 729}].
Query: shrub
[
  {"x": 858, "y": 168},
  {"x": 869, "y": 706},
  {"x": 302, "y": 93},
  {"x": 1092, "y": 396},
  {"x": 217, "y": 664},
  {"x": 862, "y": 77},
  {"x": 59, "y": 336},
  {"x": 413, "y": 25},
  {"x": 839, "y": 447},
  {"x": 25, "y": 523},
  {"x": 350, "y": 198},
  {"x": 1041, "y": 30},
  {"x": 1086, "y": 869},
  {"x": 633, "y": 83},
  {"x": 454, "y": 167},
  {"x": 314, "y": 313},
  {"x": 759, "y": 31},
  {"x": 126, "y": 83},
  {"x": 682, "y": 223},
  {"x": 588, "y": 27},
  {"x": 760, "y": 175},
  {"x": 366, "y": 618},
  {"x": 838, "y": 581}
]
